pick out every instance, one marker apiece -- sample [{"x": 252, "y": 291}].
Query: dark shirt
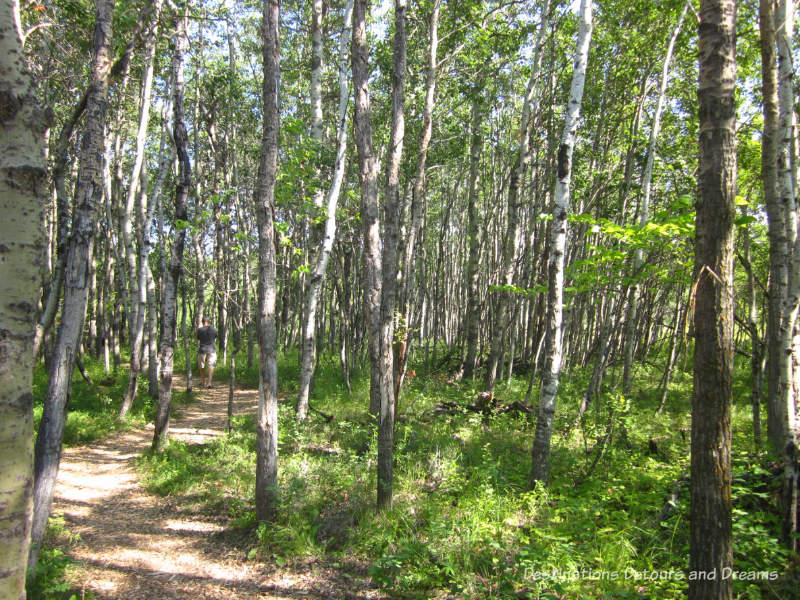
[{"x": 207, "y": 336}]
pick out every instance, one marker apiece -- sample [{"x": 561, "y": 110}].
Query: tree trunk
[
  {"x": 137, "y": 289},
  {"x": 511, "y": 239},
  {"x": 267, "y": 417},
  {"x": 558, "y": 240},
  {"x": 23, "y": 130},
  {"x": 380, "y": 348},
  {"x": 644, "y": 210},
  {"x": 787, "y": 185},
  {"x": 417, "y": 205},
  {"x": 318, "y": 276},
  {"x": 152, "y": 337},
  {"x": 172, "y": 272},
  {"x": 88, "y": 196},
  {"x": 710, "y": 546},
  {"x": 473, "y": 296}
]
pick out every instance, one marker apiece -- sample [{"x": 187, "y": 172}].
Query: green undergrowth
[
  {"x": 93, "y": 407},
  {"x": 51, "y": 581},
  {"x": 464, "y": 523}
]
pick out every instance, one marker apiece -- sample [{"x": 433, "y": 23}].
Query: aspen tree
[
  {"x": 23, "y": 127},
  {"x": 558, "y": 242}
]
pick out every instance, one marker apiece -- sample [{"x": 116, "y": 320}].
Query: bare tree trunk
[
  {"x": 674, "y": 343},
  {"x": 88, "y": 194},
  {"x": 511, "y": 239},
  {"x": 380, "y": 348},
  {"x": 267, "y": 417},
  {"x": 392, "y": 208},
  {"x": 710, "y": 542},
  {"x": 23, "y": 133},
  {"x": 473, "y": 298},
  {"x": 152, "y": 337},
  {"x": 402, "y": 341},
  {"x": 777, "y": 229},
  {"x": 172, "y": 272},
  {"x": 644, "y": 210},
  {"x": 787, "y": 185},
  {"x": 138, "y": 289},
  {"x": 318, "y": 276},
  {"x": 558, "y": 241}
]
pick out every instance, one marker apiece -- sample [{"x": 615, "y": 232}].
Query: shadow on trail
[{"x": 134, "y": 545}]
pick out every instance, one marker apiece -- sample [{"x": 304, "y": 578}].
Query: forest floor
[{"x": 134, "y": 545}]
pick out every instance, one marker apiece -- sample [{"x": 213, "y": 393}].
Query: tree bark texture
[
  {"x": 267, "y": 417},
  {"x": 380, "y": 348},
  {"x": 88, "y": 196},
  {"x": 710, "y": 549},
  {"x": 558, "y": 241},
  {"x": 318, "y": 276},
  {"x": 172, "y": 271},
  {"x": 787, "y": 334},
  {"x": 23, "y": 194}
]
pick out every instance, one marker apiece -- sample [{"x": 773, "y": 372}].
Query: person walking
[{"x": 207, "y": 354}]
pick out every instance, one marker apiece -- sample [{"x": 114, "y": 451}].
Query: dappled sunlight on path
[{"x": 134, "y": 545}]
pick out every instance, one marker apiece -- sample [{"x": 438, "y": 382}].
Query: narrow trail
[{"x": 136, "y": 546}]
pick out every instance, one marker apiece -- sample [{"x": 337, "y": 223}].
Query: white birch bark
[
  {"x": 89, "y": 191},
  {"x": 318, "y": 276},
  {"x": 558, "y": 241},
  {"x": 137, "y": 274},
  {"x": 787, "y": 402},
  {"x": 172, "y": 271},
  {"x": 23, "y": 191}
]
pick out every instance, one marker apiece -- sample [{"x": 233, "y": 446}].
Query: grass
[
  {"x": 463, "y": 523},
  {"x": 93, "y": 407}
]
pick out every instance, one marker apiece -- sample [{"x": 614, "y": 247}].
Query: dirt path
[{"x": 134, "y": 545}]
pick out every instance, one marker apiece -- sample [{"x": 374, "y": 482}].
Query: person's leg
[
  {"x": 201, "y": 361},
  {"x": 211, "y": 361}
]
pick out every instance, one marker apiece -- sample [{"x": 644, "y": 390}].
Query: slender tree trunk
[
  {"x": 710, "y": 545},
  {"x": 138, "y": 292},
  {"x": 644, "y": 209},
  {"x": 392, "y": 210},
  {"x": 674, "y": 343},
  {"x": 558, "y": 240},
  {"x": 23, "y": 131},
  {"x": 318, "y": 276},
  {"x": 777, "y": 229},
  {"x": 152, "y": 337},
  {"x": 787, "y": 186},
  {"x": 511, "y": 239},
  {"x": 756, "y": 344},
  {"x": 88, "y": 196},
  {"x": 267, "y": 417},
  {"x": 402, "y": 341},
  {"x": 172, "y": 273},
  {"x": 473, "y": 273},
  {"x": 380, "y": 348}
]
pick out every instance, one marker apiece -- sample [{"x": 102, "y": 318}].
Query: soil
[{"x": 138, "y": 546}]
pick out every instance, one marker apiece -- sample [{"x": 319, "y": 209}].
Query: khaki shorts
[{"x": 206, "y": 359}]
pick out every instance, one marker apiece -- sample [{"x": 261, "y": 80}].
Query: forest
[{"x": 403, "y": 299}]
